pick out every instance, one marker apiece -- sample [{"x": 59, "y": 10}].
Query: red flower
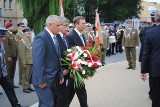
[
  {"x": 90, "y": 45},
  {"x": 88, "y": 61},
  {"x": 95, "y": 65},
  {"x": 92, "y": 55},
  {"x": 84, "y": 47},
  {"x": 96, "y": 58},
  {"x": 74, "y": 65},
  {"x": 99, "y": 52}
]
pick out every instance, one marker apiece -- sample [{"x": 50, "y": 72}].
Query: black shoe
[
  {"x": 31, "y": 89},
  {"x": 24, "y": 106},
  {"x": 133, "y": 68},
  {"x": 0, "y": 93},
  {"x": 20, "y": 83},
  {"x": 129, "y": 68},
  {"x": 26, "y": 91},
  {"x": 15, "y": 86}
]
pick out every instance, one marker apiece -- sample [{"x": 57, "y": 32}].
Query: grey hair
[
  {"x": 64, "y": 20},
  {"x": 52, "y": 19}
]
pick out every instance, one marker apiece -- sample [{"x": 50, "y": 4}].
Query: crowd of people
[{"x": 40, "y": 62}]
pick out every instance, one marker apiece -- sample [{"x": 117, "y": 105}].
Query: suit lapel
[
  {"x": 77, "y": 38},
  {"x": 51, "y": 41},
  {"x": 60, "y": 40}
]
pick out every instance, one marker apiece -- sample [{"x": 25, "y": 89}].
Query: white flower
[
  {"x": 79, "y": 61},
  {"x": 90, "y": 65},
  {"x": 76, "y": 56},
  {"x": 67, "y": 59},
  {"x": 85, "y": 55},
  {"x": 69, "y": 50},
  {"x": 84, "y": 63},
  {"x": 83, "y": 72}
]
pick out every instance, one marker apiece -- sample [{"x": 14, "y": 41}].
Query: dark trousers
[
  {"x": 11, "y": 67},
  {"x": 81, "y": 94},
  {"x": 61, "y": 95},
  {"x": 155, "y": 83},
  {"x": 112, "y": 48},
  {"x": 7, "y": 85},
  {"x": 150, "y": 87},
  {"x": 119, "y": 47}
]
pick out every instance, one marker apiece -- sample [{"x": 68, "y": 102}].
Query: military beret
[
  {"x": 8, "y": 24},
  {"x": 21, "y": 24},
  {"x": 2, "y": 32},
  {"x": 26, "y": 30}
]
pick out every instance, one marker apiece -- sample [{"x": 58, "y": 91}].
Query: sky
[{"x": 152, "y": 1}]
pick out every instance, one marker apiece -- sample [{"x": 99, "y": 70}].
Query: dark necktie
[
  {"x": 56, "y": 44},
  {"x": 65, "y": 41}
]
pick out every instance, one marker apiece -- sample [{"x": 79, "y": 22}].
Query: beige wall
[
  {"x": 145, "y": 14},
  {"x": 15, "y": 13}
]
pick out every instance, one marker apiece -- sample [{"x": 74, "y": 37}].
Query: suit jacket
[
  {"x": 74, "y": 39},
  {"x": 63, "y": 48},
  {"x": 25, "y": 51},
  {"x": 142, "y": 38},
  {"x": 10, "y": 45},
  {"x": 130, "y": 39},
  {"x": 46, "y": 61},
  {"x": 151, "y": 54}
]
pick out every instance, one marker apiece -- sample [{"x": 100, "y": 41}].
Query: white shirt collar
[
  {"x": 61, "y": 34},
  {"x": 79, "y": 33},
  {"x": 51, "y": 34},
  {"x": 10, "y": 32}
]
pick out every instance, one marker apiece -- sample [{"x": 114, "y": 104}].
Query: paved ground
[{"x": 115, "y": 86}]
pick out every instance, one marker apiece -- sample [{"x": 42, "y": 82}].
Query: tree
[{"x": 111, "y": 10}]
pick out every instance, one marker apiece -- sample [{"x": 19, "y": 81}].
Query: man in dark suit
[
  {"x": 47, "y": 72},
  {"x": 142, "y": 38},
  {"x": 151, "y": 61},
  {"x": 61, "y": 92},
  {"x": 76, "y": 38},
  {"x": 5, "y": 82}
]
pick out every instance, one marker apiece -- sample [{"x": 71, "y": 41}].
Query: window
[
  {"x": 5, "y": 21},
  {"x": 10, "y": 4},
  {"x": 4, "y": 5},
  {"x": 0, "y": 12}
]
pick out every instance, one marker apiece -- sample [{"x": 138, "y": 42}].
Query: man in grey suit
[{"x": 47, "y": 72}]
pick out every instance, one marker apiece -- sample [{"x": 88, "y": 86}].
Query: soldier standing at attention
[
  {"x": 11, "y": 56},
  {"x": 130, "y": 41},
  {"x": 19, "y": 35},
  {"x": 25, "y": 57}
]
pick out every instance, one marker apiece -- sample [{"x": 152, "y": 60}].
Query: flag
[
  {"x": 98, "y": 40},
  {"x": 61, "y": 8}
]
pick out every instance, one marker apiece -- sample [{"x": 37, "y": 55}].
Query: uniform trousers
[
  {"x": 7, "y": 85},
  {"x": 131, "y": 56}
]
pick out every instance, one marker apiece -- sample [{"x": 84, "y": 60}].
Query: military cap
[
  {"x": 26, "y": 30},
  {"x": 8, "y": 24},
  {"x": 2, "y": 32},
  {"x": 88, "y": 25},
  {"x": 129, "y": 21},
  {"x": 21, "y": 24}
]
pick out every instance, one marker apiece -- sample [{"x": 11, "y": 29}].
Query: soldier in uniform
[
  {"x": 89, "y": 34},
  {"x": 11, "y": 53},
  {"x": 19, "y": 36},
  {"x": 130, "y": 41},
  {"x": 5, "y": 82},
  {"x": 105, "y": 35},
  {"x": 120, "y": 32},
  {"x": 25, "y": 57}
]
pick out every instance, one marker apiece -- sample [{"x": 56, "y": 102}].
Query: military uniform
[
  {"x": 25, "y": 57},
  {"x": 10, "y": 47},
  {"x": 105, "y": 35},
  {"x": 19, "y": 36},
  {"x": 130, "y": 41},
  {"x": 90, "y": 37}
]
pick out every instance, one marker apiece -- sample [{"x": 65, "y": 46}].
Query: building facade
[{"x": 10, "y": 11}]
